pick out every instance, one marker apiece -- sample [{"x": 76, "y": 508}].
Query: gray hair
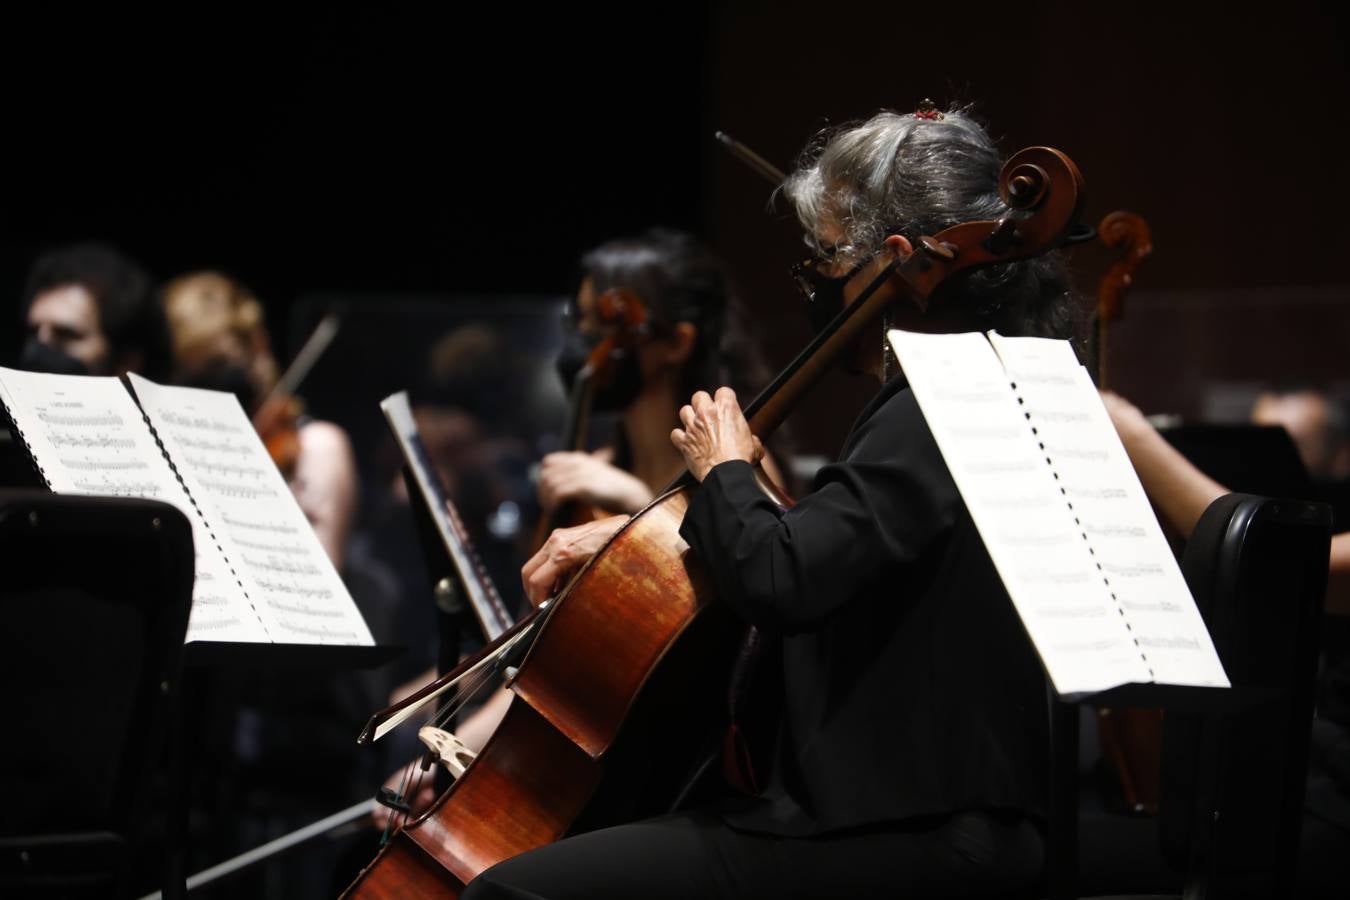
[
  {"x": 905, "y": 174},
  {"x": 896, "y": 174}
]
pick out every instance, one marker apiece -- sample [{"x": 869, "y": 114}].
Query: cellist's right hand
[{"x": 563, "y": 553}]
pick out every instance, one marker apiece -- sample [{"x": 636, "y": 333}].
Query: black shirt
[{"x": 910, "y": 688}]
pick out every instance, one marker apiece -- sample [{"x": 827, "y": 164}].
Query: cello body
[{"x": 615, "y": 705}]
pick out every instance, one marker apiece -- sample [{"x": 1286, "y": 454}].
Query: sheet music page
[
  {"x": 487, "y": 604},
  {"x": 1113, "y": 511},
  {"x": 89, "y": 437},
  {"x": 1016, "y": 504},
  {"x": 253, "y": 515}
]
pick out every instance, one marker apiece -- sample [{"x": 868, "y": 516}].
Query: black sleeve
[{"x": 871, "y": 515}]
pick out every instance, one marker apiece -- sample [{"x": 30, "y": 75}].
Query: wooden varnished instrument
[
  {"x": 1130, "y": 234},
  {"x": 1131, "y": 739}
]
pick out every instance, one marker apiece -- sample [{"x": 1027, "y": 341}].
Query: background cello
[{"x": 623, "y": 315}]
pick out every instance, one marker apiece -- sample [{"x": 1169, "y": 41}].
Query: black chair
[
  {"x": 95, "y": 594},
  {"x": 1233, "y": 765}
]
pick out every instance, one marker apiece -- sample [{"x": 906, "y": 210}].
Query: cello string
[{"x": 397, "y": 816}]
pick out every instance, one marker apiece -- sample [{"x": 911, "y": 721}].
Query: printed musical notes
[
  {"x": 87, "y": 437},
  {"x": 261, "y": 574},
  {"x": 1110, "y": 510},
  {"x": 1061, "y": 512},
  {"x": 273, "y": 553}
]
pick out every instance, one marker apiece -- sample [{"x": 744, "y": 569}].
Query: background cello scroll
[{"x": 1129, "y": 232}]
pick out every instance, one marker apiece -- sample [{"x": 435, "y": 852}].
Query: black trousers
[{"x": 695, "y": 854}]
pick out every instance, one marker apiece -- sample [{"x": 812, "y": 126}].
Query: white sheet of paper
[
  {"x": 1017, "y": 483},
  {"x": 1110, "y": 507},
  {"x": 89, "y": 437},
  {"x": 253, "y": 516}
]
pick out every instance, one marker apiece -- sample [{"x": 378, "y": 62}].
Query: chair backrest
[
  {"x": 1232, "y": 789},
  {"x": 95, "y": 594}
]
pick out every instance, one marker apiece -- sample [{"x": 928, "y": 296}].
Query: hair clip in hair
[{"x": 928, "y": 110}]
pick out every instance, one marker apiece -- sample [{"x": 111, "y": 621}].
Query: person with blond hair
[{"x": 220, "y": 341}]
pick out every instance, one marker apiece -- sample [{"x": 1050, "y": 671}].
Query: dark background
[{"x": 471, "y": 152}]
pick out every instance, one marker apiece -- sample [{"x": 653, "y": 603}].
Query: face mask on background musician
[
  {"x": 64, "y": 334},
  {"x": 225, "y": 376},
  {"x": 625, "y": 376},
  {"x": 37, "y": 356}
]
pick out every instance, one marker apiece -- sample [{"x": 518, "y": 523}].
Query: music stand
[{"x": 109, "y": 582}]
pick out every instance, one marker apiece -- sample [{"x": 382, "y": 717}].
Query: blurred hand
[
  {"x": 714, "y": 431},
  {"x": 589, "y": 479},
  {"x": 563, "y": 553}
]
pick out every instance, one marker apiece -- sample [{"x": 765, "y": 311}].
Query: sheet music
[
  {"x": 487, "y": 604},
  {"x": 1098, "y": 480},
  {"x": 273, "y": 551},
  {"x": 1012, "y": 497},
  {"x": 89, "y": 437}
]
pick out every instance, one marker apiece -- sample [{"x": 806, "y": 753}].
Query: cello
[
  {"x": 621, "y": 661},
  {"x": 1131, "y": 739}
]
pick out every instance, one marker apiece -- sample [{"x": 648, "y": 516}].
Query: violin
[
  {"x": 277, "y": 422},
  {"x": 277, "y": 419},
  {"x": 621, "y": 667},
  {"x": 623, "y": 315}
]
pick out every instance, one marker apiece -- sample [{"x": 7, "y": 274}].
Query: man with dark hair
[{"x": 90, "y": 310}]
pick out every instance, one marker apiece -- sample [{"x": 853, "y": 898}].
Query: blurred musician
[
  {"x": 220, "y": 342},
  {"x": 1318, "y": 425},
  {"x": 90, "y": 310}
]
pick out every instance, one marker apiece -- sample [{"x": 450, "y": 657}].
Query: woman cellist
[
  {"x": 692, "y": 339},
  {"x": 912, "y": 751}
]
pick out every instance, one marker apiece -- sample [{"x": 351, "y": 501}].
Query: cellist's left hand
[
  {"x": 563, "y": 553},
  {"x": 714, "y": 431}
]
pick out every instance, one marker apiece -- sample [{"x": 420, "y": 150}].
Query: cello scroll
[{"x": 1129, "y": 232}]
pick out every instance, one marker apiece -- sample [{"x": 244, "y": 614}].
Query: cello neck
[
  {"x": 773, "y": 404},
  {"x": 578, "y": 411}
]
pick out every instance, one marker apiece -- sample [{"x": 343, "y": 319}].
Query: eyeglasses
[
  {"x": 813, "y": 283},
  {"x": 824, "y": 293}
]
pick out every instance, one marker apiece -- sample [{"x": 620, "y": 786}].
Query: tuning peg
[
  {"x": 1002, "y": 237},
  {"x": 939, "y": 249}
]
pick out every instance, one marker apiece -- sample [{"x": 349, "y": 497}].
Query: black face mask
[
  {"x": 621, "y": 389},
  {"x": 226, "y": 377},
  {"x": 39, "y": 357}
]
